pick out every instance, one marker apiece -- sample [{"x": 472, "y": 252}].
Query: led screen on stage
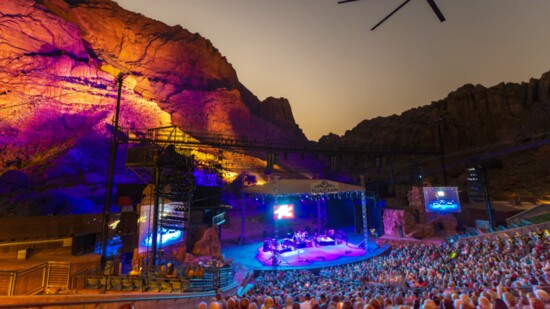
[
  {"x": 283, "y": 211},
  {"x": 165, "y": 236},
  {"x": 441, "y": 199}
]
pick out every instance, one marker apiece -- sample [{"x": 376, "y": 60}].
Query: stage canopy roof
[
  {"x": 303, "y": 187},
  {"x": 314, "y": 187}
]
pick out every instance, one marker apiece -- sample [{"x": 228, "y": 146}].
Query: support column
[
  {"x": 243, "y": 204},
  {"x": 365, "y": 221},
  {"x": 488, "y": 206},
  {"x": 110, "y": 178},
  {"x": 276, "y": 202},
  {"x": 276, "y": 225},
  {"x": 318, "y": 217},
  {"x": 355, "y": 225},
  {"x": 154, "y": 232}
]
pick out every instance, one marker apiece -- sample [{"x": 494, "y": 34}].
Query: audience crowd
[{"x": 491, "y": 272}]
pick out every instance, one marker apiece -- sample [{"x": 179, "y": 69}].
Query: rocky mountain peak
[
  {"x": 509, "y": 122},
  {"x": 59, "y": 61}
]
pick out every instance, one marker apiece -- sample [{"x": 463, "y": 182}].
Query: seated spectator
[
  {"x": 199, "y": 273},
  {"x": 202, "y": 305},
  {"x": 484, "y": 303},
  {"x": 542, "y": 295},
  {"x": 171, "y": 271},
  {"x": 469, "y": 272},
  {"x": 190, "y": 273}
]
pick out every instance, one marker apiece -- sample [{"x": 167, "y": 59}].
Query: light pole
[{"x": 110, "y": 178}]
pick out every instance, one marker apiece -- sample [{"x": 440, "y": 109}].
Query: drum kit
[
  {"x": 274, "y": 246},
  {"x": 301, "y": 239}
]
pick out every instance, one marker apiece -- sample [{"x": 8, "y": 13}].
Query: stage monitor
[
  {"x": 441, "y": 199},
  {"x": 283, "y": 211}
]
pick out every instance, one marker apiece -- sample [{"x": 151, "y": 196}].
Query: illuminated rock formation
[
  {"x": 397, "y": 223},
  {"x": 58, "y": 65},
  {"x": 209, "y": 244}
]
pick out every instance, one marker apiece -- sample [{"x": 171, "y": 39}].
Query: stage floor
[
  {"x": 252, "y": 256},
  {"x": 246, "y": 254}
]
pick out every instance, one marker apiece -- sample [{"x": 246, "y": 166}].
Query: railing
[
  {"x": 35, "y": 279},
  {"x": 538, "y": 210},
  {"x": 209, "y": 282},
  {"x": 173, "y": 135},
  {"x": 143, "y": 300},
  {"x": 24, "y": 282},
  {"x": 226, "y": 276},
  {"x": 77, "y": 279},
  {"x": 510, "y": 232},
  {"x": 57, "y": 275},
  {"x": 30, "y": 281},
  {"x": 6, "y": 283}
]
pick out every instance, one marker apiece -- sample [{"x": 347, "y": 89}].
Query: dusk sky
[{"x": 335, "y": 72}]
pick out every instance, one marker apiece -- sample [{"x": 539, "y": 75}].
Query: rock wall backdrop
[{"x": 58, "y": 66}]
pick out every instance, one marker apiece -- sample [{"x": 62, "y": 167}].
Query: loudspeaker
[{"x": 206, "y": 196}]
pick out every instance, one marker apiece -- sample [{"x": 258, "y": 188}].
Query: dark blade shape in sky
[
  {"x": 436, "y": 10},
  {"x": 389, "y": 15},
  {"x": 346, "y": 1}
]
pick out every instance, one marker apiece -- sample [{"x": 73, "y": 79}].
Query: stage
[
  {"x": 301, "y": 249},
  {"x": 306, "y": 256},
  {"x": 253, "y": 256}
]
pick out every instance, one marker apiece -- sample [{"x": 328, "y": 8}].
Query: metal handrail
[
  {"x": 36, "y": 242},
  {"x": 529, "y": 228},
  {"x": 208, "y": 282},
  {"x": 116, "y": 299},
  {"x": 532, "y": 212},
  {"x": 20, "y": 273},
  {"x": 173, "y": 135}
]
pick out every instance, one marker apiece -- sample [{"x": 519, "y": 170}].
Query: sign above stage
[
  {"x": 324, "y": 187},
  {"x": 303, "y": 187}
]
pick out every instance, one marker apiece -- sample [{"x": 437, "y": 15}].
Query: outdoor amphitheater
[
  {"x": 301, "y": 267},
  {"x": 283, "y": 154}
]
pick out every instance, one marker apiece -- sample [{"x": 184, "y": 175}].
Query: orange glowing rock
[{"x": 58, "y": 66}]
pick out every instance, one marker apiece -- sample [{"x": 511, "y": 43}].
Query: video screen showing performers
[
  {"x": 441, "y": 199},
  {"x": 165, "y": 236},
  {"x": 283, "y": 211}
]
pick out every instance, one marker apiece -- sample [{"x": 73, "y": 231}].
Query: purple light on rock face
[{"x": 207, "y": 178}]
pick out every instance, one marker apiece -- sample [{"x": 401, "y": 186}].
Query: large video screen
[
  {"x": 283, "y": 211},
  {"x": 441, "y": 199},
  {"x": 165, "y": 236}
]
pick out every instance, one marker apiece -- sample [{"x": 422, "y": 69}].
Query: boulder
[
  {"x": 397, "y": 222},
  {"x": 209, "y": 244}
]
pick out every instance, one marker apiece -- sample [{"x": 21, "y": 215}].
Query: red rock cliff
[
  {"x": 508, "y": 122},
  {"x": 58, "y": 65}
]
